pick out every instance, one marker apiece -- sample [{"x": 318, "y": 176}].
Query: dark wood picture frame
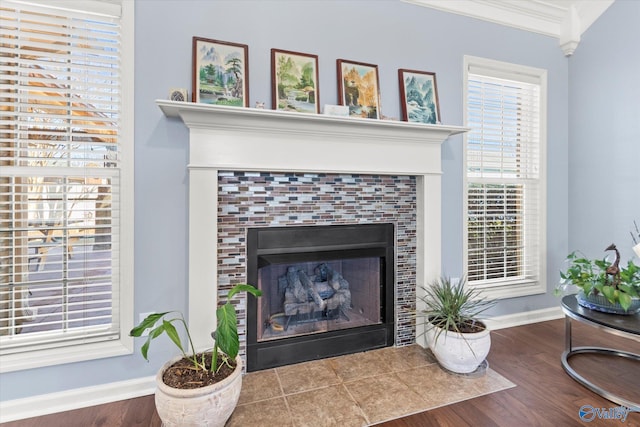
[
  {"x": 220, "y": 72},
  {"x": 359, "y": 88},
  {"x": 294, "y": 81},
  {"x": 419, "y": 96}
]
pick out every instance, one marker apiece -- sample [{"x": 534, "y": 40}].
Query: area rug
[{"x": 356, "y": 390}]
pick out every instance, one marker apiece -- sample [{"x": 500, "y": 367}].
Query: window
[
  {"x": 505, "y": 108},
  {"x": 65, "y": 181}
]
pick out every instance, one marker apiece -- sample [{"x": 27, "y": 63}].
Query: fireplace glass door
[{"x": 326, "y": 291}]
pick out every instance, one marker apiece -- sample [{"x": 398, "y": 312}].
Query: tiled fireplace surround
[
  {"x": 260, "y": 168},
  {"x": 277, "y": 199}
]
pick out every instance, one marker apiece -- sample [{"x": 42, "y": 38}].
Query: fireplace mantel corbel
[{"x": 247, "y": 139}]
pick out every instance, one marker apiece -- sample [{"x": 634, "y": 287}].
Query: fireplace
[
  {"x": 248, "y": 139},
  {"x": 327, "y": 291}
]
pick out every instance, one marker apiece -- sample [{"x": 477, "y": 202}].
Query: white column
[
  {"x": 428, "y": 257},
  {"x": 203, "y": 256}
]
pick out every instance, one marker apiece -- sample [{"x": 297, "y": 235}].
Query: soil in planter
[
  {"x": 468, "y": 327},
  {"x": 183, "y": 375},
  {"x": 471, "y": 327}
]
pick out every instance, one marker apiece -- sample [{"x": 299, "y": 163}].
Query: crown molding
[{"x": 565, "y": 20}]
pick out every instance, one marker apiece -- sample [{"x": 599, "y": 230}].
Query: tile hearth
[{"x": 355, "y": 390}]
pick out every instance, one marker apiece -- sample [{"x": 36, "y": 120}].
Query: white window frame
[
  {"x": 44, "y": 355},
  {"x": 521, "y": 286}
]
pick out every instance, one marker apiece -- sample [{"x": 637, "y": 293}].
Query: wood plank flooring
[{"x": 529, "y": 356}]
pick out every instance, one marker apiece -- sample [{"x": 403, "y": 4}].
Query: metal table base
[{"x": 598, "y": 320}]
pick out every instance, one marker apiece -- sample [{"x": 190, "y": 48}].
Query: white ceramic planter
[
  {"x": 457, "y": 353},
  {"x": 209, "y": 406}
]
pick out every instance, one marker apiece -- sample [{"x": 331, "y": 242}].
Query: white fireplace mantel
[{"x": 244, "y": 139}]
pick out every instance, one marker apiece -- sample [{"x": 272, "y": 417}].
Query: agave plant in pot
[
  {"x": 457, "y": 337},
  {"x": 197, "y": 389},
  {"x": 603, "y": 285}
]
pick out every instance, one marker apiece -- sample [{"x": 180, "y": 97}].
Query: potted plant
[
  {"x": 197, "y": 389},
  {"x": 603, "y": 286},
  {"x": 459, "y": 340}
]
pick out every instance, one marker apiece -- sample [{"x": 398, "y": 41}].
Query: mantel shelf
[{"x": 198, "y": 115}]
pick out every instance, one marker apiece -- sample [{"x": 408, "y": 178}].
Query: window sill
[
  {"x": 513, "y": 289},
  {"x": 62, "y": 355}
]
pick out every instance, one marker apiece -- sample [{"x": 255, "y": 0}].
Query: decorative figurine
[{"x": 614, "y": 269}]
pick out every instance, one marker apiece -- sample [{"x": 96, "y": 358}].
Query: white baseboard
[
  {"x": 524, "y": 318},
  {"x": 89, "y": 396},
  {"x": 18, "y": 409}
]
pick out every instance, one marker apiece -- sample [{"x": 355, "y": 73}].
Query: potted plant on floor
[
  {"x": 602, "y": 285},
  {"x": 459, "y": 340},
  {"x": 197, "y": 389}
]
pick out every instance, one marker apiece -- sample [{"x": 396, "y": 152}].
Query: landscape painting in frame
[
  {"x": 359, "y": 88},
  {"x": 220, "y": 73},
  {"x": 419, "y": 96},
  {"x": 294, "y": 81}
]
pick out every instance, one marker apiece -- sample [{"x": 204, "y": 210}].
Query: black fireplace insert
[{"x": 327, "y": 291}]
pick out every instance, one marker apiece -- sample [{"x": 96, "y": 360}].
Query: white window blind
[
  {"x": 504, "y": 191},
  {"x": 60, "y": 174}
]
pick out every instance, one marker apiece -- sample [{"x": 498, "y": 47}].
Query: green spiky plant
[
  {"x": 226, "y": 340},
  {"x": 453, "y": 306},
  {"x": 591, "y": 276}
]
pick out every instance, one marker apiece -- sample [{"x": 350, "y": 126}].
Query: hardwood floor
[{"x": 529, "y": 356}]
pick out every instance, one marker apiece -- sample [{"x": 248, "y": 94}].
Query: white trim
[
  {"x": 566, "y": 21},
  {"x": 535, "y": 17},
  {"x": 503, "y": 290},
  {"x": 44, "y": 404},
  {"x": 99, "y": 7},
  {"x": 127, "y": 180},
  {"x": 69, "y": 354},
  {"x": 123, "y": 345},
  {"x": 524, "y": 318}
]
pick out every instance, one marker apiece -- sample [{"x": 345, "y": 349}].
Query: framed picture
[
  {"x": 294, "y": 78},
  {"x": 359, "y": 88},
  {"x": 220, "y": 73},
  {"x": 419, "y": 96}
]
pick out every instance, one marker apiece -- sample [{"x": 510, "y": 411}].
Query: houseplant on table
[
  {"x": 459, "y": 340},
  {"x": 603, "y": 286},
  {"x": 197, "y": 389}
]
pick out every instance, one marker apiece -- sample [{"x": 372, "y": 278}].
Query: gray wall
[
  {"x": 390, "y": 34},
  {"x": 604, "y": 142}
]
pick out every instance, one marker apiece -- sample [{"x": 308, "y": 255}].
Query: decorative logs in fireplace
[{"x": 325, "y": 294}]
